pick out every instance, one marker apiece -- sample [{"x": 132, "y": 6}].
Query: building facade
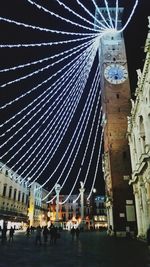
[
  {"x": 116, "y": 107},
  {"x": 37, "y": 207},
  {"x": 139, "y": 141},
  {"x": 13, "y": 198}
]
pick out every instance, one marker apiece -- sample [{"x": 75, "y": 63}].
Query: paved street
[{"x": 93, "y": 249}]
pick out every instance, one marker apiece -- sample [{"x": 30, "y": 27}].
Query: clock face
[{"x": 115, "y": 74}]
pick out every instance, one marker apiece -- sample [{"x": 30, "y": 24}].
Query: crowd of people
[
  {"x": 42, "y": 235},
  {"x": 50, "y": 234},
  {"x": 3, "y": 235}
]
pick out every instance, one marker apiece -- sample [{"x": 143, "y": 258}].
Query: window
[
  {"x": 6, "y": 173},
  {"x": 19, "y": 195},
  {"x": 10, "y": 191},
  {"x": 15, "y": 192},
  {"x": 22, "y": 197},
  {"x": 117, "y": 95},
  {"x": 4, "y": 190}
]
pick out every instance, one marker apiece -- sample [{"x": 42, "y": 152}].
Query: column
[
  {"x": 138, "y": 214},
  {"x": 57, "y": 190},
  {"x": 82, "y": 189}
]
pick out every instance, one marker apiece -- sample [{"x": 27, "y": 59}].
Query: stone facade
[
  {"x": 139, "y": 141},
  {"x": 13, "y": 197}
]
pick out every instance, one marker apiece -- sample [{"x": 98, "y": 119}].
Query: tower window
[
  {"x": 117, "y": 95},
  {"x": 118, "y": 109}
]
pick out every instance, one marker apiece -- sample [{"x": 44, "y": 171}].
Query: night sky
[{"x": 20, "y": 10}]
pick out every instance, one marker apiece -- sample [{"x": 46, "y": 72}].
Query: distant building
[
  {"x": 38, "y": 208},
  {"x": 13, "y": 198},
  {"x": 99, "y": 213},
  {"x": 139, "y": 141}
]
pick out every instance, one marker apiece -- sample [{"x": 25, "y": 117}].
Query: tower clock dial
[{"x": 115, "y": 73}]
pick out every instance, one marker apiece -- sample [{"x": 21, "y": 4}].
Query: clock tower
[{"x": 116, "y": 107}]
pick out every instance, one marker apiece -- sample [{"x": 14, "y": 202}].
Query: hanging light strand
[
  {"x": 33, "y": 108},
  {"x": 93, "y": 148},
  {"x": 130, "y": 17},
  {"x": 41, "y": 60},
  {"x": 101, "y": 15},
  {"x": 60, "y": 17},
  {"x": 108, "y": 12},
  {"x": 41, "y": 69},
  {"x": 91, "y": 15},
  {"x": 66, "y": 125},
  {"x": 76, "y": 14},
  {"x": 88, "y": 109},
  {"x": 25, "y": 135},
  {"x": 98, "y": 160},
  {"x": 46, "y": 130},
  {"x": 43, "y": 29},
  {"x": 79, "y": 128},
  {"x": 50, "y": 43}
]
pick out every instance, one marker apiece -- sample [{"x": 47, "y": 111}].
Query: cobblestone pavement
[{"x": 93, "y": 249}]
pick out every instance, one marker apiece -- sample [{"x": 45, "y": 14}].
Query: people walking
[
  {"x": 4, "y": 237},
  {"x": 11, "y": 234},
  {"x": 38, "y": 236},
  {"x": 45, "y": 234},
  {"x": 72, "y": 233},
  {"x": 77, "y": 232}
]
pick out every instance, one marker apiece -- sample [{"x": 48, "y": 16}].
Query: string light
[
  {"x": 75, "y": 92},
  {"x": 130, "y": 17},
  {"x": 60, "y": 17},
  {"x": 84, "y": 119},
  {"x": 94, "y": 143},
  {"x": 41, "y": 69},
  {"x": 63, "y": 131},
  {"x": 38, "y": 87},
  {"x": 70, "y": 154},
  {"x": 42, "y": 29},
  {"x": 108, "y": 12},
  {"x": 93, "y": 148},
  {"x": 25, "y": 133},
  {"x": 99, "y": 22},
  {"x": 100, "y": 13},
  {"x": 42, "y": 60},
  {"x": 48, "y": 132},
  {"x": 50, "y": 43},
  {"x": 88, "y": 109},
  {"x": 76, "y": 14},
  {"x": 49, "y": 146},
  {"x": 98, "y": 160},
  {"x": 35, "y": 106},
  {"x": 116, "y": 17}
]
